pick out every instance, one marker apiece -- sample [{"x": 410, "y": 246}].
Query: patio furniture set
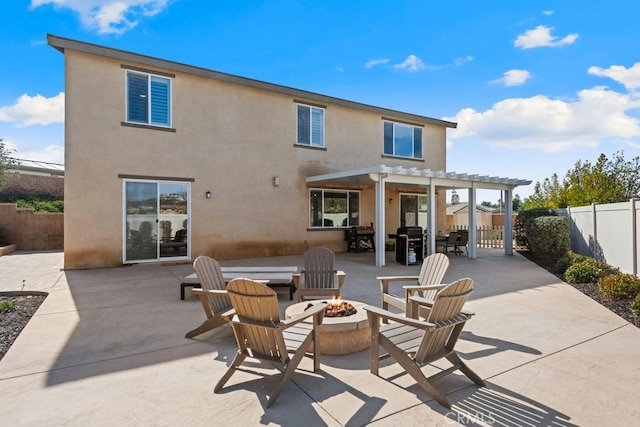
[{"x": 426, "y": 329}]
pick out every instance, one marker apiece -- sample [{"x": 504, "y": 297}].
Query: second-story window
[
  {"x": 402, "y": 140},
  {"x": 148, "y": 99},
  {"x": 310, "y": 126}
]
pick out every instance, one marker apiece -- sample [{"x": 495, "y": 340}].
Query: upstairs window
[
  {"x": 310, "y": 126},
  {"x": 402, "y": 140},
  {"x": 148, "y": 99}
]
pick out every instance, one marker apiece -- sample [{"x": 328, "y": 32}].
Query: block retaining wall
[{"x": 29, "y": 230}]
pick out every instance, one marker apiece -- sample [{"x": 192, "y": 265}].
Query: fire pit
[
  {"x": 339, "y": 308},
  {"x": 345, "y": 328}
]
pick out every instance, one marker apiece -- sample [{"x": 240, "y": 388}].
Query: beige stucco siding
[{"x": 229, "y": 139}]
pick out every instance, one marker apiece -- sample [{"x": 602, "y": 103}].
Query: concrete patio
[{"x": 107, "y": 347}]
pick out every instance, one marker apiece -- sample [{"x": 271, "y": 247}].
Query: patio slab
[{"x": 107, "y": 347}]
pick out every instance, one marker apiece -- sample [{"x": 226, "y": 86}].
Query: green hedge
[{"x": 548, "y": 237}]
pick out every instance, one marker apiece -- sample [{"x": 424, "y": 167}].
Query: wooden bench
[{"x": 271, "y": 276}]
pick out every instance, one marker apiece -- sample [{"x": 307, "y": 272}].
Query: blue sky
[{"x": 534, "y": 85}]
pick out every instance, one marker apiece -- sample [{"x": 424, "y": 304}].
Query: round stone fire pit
[{"x": 341, "y": 334}]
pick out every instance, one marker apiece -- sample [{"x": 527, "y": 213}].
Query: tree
[
  {"x": 5, "y": 163},
  {"x": 547, "y": 195},
  {"x": 516, "y": 203},
  {"x": 607, "y": 181}
]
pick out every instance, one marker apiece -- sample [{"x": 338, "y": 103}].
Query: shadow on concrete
[{"x": 495, "y": 405}]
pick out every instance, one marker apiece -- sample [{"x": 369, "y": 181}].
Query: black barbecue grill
[{"x": 409, "y": 239}]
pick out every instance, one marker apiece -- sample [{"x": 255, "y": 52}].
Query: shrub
[
  {"x": 567, "y": 260},
  {"x": 7, "y": 305},
  {"x": 635, "y": 306},
  {"x": 588, "y": 271},
  {"x": 39, "y": 202},
  {"x": 620, "y": 285},
  {"x": 521, "y": 220},
  {"x": 548, "y": 237}
]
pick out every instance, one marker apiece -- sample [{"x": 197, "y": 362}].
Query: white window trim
[
  {"x": 413, "y": 127},
  {"x": 311, "y": 108},
  {"x": 322, "y": 227},
  {"x": 126, "y": 98}
]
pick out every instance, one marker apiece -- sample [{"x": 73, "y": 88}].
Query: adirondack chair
[
  {"x": 212, "y": 294},
  {"x": 414, "y": 343},
  {"x": 319, "y": 277},
  {"x": 261, "y": 334},
  {"x": 432, "y": 272}
]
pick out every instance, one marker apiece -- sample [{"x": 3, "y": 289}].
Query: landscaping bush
[
  {"x": 521, "y": 220},
  {"x": 588, "y": 271},
  {"x": 635, "y": 306},
  {"x": 620, "y": 285},
  {"x": 548, "y": 237},
  {"x": 567, "y": 260},
  {"x": 40, "y": 202}
]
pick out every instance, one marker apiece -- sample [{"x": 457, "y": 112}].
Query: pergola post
[
  {"x": 473, "y": 227},
  {"x": 508, "y": 222},
  {"x": 380, "y": 230},
  {"x": 431, "y": 220}
]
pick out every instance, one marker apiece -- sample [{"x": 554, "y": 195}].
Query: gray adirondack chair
[
  {"x": 212, "y": 294},
  {"x": 432, "y": 272},
  {"x": 260, "y": 334},
  {"x": 415, "y": 343}
]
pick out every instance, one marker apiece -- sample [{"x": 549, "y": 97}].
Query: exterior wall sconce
[
  {"x": 391, "y": 200},
  {"x": 275, "y": 181},
  {"x": 207, "y": 194}
]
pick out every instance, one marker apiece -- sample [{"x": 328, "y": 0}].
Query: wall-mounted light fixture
[
  {"x": 207, "y": 194},
  {"x": 390, "y": 200},
  {"x": 275, "y": 180}
]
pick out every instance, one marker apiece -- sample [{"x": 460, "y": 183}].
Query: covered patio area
[{"x": 428, "y": 182}]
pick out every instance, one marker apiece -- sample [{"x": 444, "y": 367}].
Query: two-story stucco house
[{"x": 166, "y": 161}]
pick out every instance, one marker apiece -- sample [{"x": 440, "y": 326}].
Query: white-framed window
[
  {"x": 329, "y": 208},
  {"x": 310, "y": 125},
  {"x": 402, "y": 140},
  {"x": 148, "y": 99}
]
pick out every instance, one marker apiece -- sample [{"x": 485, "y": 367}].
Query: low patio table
[{"x": 271, "y": 276}]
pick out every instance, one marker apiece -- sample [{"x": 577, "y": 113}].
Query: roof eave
[{"x": 62, "y": 43}]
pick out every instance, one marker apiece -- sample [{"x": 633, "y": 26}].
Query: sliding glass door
[
  {"x": 413, "y": 211},
  {"x": 156, "y": 218}
]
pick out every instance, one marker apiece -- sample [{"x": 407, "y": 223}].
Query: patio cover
[{"x": 380, "y": 175}]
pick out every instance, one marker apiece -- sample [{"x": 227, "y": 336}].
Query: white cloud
[
  {"x": 541, "y": 37},
  {"x": 412, "y": 63},
  {"x": 373, "y": 62},
  {"x": 513, "y": 78},
  {"x": 463, "y": 60},
  {"x": 547, "y": 12},
  {"x": 53, "y": 153},
  {"x": 629, "y": 77},
  {"x": 34, "y": 110},
  {"x": 552, "y": 125},
  {"x": 108, "y": 16}
]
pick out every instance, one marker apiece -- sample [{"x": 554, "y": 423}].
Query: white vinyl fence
[{"x": 608, "y": 233}]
